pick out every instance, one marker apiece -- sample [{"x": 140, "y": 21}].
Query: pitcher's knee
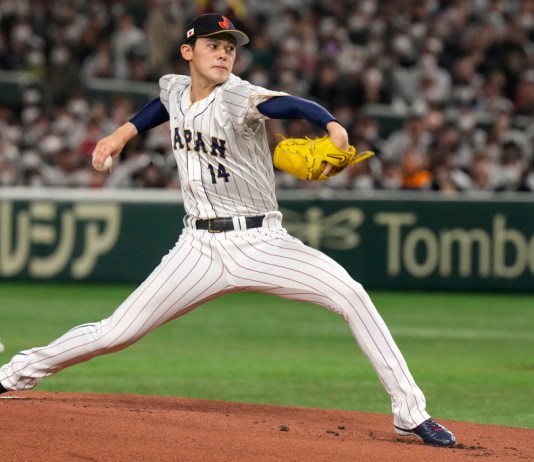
[
  {"x": 106, "y": 338},
  {"x": 349, "y": 293},
  {"x": 347, "y": 300}
]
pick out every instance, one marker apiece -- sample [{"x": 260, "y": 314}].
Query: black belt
[{"x": 218, "y": 225}]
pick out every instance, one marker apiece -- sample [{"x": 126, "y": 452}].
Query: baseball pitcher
[{"x": 233, "y": 238}]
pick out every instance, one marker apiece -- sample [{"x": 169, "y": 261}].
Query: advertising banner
[{"x": 383, "y": 242}]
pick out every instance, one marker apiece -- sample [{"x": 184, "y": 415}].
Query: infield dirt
[{"x": 37, "y": 426}]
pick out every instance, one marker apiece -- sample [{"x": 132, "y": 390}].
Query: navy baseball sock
[{"x": 2, "y": 389}]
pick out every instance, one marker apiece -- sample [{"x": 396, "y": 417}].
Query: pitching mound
[{"x": 94, "y": 427}]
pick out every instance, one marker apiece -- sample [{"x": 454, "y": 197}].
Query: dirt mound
[{"x": 104, "y": 427}]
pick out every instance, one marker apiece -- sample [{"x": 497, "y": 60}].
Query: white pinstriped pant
[{"x": 204, "y": 265}]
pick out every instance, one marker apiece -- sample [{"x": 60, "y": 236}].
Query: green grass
[{"x": 472, "y": 354}]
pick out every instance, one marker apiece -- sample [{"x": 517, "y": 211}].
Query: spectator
[
  {"x": 483, "y": 173},
  {"x": 513, "y": 168},
  {"x": 414, "y": 174},
  {"x": 127, "y": 39},
  {"x": 412, "y": 134},
  {"x": 390, "y": 177},
  {"x": 164, "y": 23}
]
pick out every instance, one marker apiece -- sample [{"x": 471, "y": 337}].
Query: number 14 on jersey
[{"x": 218, "y": 172}]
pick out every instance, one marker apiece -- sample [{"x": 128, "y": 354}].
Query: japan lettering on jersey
[{"x": 220, "y": 145}]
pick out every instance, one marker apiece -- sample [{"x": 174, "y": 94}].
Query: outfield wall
[{"x": 385, "y": 241}]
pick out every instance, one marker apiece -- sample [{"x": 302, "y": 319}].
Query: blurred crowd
[{"x": 458, "y": 76}]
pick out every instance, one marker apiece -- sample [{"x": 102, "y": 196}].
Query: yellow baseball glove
[{"x": 306, "y": 158}]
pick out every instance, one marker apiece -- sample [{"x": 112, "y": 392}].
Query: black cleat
[
  {"x": 2, "y": 389},
  {"x": 431, "y": 433}
]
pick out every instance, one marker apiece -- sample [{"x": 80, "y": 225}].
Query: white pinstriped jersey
[{"x": 220, "y": 145}]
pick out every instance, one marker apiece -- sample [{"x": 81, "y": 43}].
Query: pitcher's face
[{"x": 211, "y": 59}]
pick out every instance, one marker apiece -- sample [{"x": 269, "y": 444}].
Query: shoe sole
[{"x": 402, "y": 432}]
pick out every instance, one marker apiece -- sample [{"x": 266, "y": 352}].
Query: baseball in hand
[{"x": 108, "y": 163}]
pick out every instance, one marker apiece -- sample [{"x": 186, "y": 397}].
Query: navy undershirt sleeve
[
  {"x": 292, "y": 107},
  {"x": 150, "y": 116}
]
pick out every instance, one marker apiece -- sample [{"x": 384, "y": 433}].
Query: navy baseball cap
[{"x": 208, "y": 25}]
